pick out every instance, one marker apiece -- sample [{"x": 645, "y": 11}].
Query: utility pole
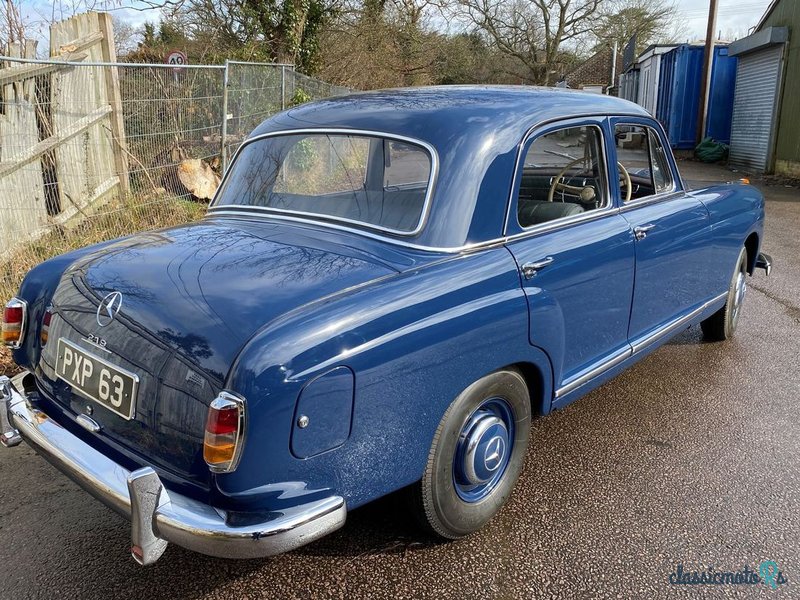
[
  {"x": 614, "y": 53},
  {"x": 705, "y": 85}
]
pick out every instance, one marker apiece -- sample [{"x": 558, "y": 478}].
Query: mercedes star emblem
[{"x": 109, "y": 308}]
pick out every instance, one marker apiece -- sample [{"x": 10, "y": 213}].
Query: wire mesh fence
[
  {"x": 93, "y": 151},
  {"x": 170, "y": 117},
  {"x": 256, "y": 90}
]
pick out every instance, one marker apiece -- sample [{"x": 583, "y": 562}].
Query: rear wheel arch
[{"x": 461, "y": 489}]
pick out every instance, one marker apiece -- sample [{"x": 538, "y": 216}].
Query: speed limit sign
[{"x": 177, "y": 59}]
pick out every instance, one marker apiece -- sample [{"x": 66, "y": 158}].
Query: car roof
[
  {"x": 428, "y": 110},
  {"x": 476, "y": 132}
]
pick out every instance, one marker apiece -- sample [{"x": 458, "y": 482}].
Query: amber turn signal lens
[
  {"x": 48, "y": 315},
  {"x": 224, "y": 433},
  {"x": 14, "y": 317}
]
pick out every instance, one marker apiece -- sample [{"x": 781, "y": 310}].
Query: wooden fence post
[
  {"x": 115, "y": 100},
  {"x": 22, "y": 192}
]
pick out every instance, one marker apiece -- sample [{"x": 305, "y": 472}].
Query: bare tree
[
  {"x": 280, "y": 30},
  {"x": 23, "y": 19},
  {"x": 380, "y": 43},
  {"x": 534, "y": 32},
  {"x": 651, "y": 21},
  {"x": 12, "y": 24},
  {"x": 125, "y": 37}
]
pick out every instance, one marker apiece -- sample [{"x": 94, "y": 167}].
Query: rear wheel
[
  {"x": 476, "y": 456},
  {"x": 722, "y": 324}
]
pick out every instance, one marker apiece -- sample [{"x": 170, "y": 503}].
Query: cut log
[{"x": 198, "y": 177}]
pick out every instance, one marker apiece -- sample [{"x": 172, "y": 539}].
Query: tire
[
  {"x": 463, "y": 487},
  {"x": 722, "y": 324}
]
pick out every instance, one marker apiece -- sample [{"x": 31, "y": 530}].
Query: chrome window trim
[
  {"x": 463, "y": 248},
  {"x": 642, "y": 343},
  {"x": 321, "y": 218},
  {"x": 533, "y": 132},
  {"x": 652, "y": 199},
  {"x": 562, "y": 223},
  {"x": 652, "y": 134},
  {"x": 674, "y": 173}
]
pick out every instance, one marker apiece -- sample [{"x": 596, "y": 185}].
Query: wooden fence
[{"x": 62, "y": 138}]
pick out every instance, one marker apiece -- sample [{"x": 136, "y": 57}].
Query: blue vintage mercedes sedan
[{"x": 386, "y": 288}]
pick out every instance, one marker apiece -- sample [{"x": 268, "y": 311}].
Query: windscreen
[{"x": 373, "y": 181}]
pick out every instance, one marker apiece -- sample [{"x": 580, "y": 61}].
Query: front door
[
  {"x": 671, "y": 228},
  {"x": 574, "y": 250}
]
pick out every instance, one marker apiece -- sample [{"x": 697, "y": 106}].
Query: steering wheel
[
  {"x": 627, "y": 180},
  {"x": 587, "y": 193}
]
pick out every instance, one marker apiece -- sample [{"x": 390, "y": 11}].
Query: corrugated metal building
[
  {"x": 765, "y": 134},
  {"x": 649, "y": 65},
  {"x": 679, "y": 88}
]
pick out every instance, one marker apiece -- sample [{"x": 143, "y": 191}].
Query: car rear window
[{"x": 374, "y": 181}]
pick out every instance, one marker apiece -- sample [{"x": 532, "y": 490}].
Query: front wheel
[
  {"x": 476, "y": 456},
  {"x": 722, "y": 324}
]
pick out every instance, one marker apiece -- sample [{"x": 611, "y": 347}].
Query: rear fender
[{"x": 413, "y": 343}]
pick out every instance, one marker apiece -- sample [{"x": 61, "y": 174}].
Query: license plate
[{"x": 97, "y": 379}]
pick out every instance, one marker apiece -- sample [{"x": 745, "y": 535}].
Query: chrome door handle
[
  {"x": 530, "y": 269},
  {"x": 640, "y": 232}
]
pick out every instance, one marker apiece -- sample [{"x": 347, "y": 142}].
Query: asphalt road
[{"x": 689, "y": 457}]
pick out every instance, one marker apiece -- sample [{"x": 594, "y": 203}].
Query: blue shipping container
[{"x": 679, "y": 88}]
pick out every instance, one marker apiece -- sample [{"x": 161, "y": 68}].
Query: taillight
[
  {"x": 224, "y": 435},
  {"x": 15, "y": 315},
  {"x": 48, "y": 315}
]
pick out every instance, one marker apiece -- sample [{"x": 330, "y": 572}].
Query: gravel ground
[{"x": 689, "y": 457}]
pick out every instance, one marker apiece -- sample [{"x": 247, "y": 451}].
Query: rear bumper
[{"x": 158, "y": 516}]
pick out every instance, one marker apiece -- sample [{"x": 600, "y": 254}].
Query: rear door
[
  {"x": 574, "y": 250},
  {"x": 671, "y": 228}
]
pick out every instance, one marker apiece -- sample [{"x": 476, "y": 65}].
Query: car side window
[
  {"x": 563, "y": 175},
  {"x": 406, "y": 165},
  {"x": 642, "y": 160}
]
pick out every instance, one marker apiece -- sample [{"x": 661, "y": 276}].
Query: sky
[{"x": 735, "y": 17}]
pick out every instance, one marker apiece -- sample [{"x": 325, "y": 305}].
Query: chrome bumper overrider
[
  {"x": 158, "y": 516},
  {"x": 764, "y": 261}
]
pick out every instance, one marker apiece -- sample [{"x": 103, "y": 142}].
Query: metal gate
[{"x": 758, "y": 83}]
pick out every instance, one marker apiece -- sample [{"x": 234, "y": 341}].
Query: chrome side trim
[
  {"x": 636, "y": 347},
  {"x": 665, "y": 330},
  {"x": 321, "y": 218},
  {"x": 171, "y": 517},
  {"x": 594, "y": 371},
  {"x": 545, "y": 228},
  {"x": 648, "y": 200}
]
